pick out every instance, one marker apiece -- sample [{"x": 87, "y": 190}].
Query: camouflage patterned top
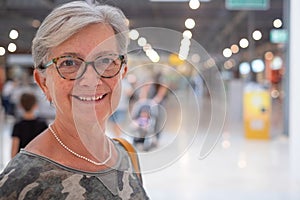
[{"x": 30, "y": 176}]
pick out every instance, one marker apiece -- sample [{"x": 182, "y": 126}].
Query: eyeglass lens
[{"x": 73, "y": 67}]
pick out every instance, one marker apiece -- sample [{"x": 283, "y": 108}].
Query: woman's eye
[
  {"x": 69, "y": 63},
  {"x": 106, "y": 60}
]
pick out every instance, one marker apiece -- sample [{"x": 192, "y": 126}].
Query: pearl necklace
[{"x": 76, "y": 154}]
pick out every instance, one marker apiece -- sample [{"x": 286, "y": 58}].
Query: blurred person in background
[
  {"x": 23, "y": 85},
  {"x": 29, "y": 126},
  {"x": 158, "y": 92},
  {"x": 6, "y": 96},
  {"x": 79, "y": 54},
  {"x": 154, "y": 88}
]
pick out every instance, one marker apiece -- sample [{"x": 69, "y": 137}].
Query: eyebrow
[
  {"x": 72, "y": 54},
  {"x": 94, "y": 55},
  {"x": 101, "y": 53}
]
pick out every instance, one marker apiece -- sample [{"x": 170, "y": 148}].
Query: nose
[{"x": 90, "y": 77}]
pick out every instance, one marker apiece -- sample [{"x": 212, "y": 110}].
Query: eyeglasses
[{"x": 72, "y": 67}]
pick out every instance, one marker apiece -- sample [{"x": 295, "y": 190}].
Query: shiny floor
[{"x": 237, "y": 168}]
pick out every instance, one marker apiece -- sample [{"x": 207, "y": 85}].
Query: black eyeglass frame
[{"x": 87, "y": 63}]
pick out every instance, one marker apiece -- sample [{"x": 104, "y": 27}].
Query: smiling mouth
[{"x": 90, "y": 99}]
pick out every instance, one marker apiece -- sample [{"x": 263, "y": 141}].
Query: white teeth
[{"x": 91, "y": 98}]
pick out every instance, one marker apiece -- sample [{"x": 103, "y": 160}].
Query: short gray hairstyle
[{"x": 70, "y": 18}]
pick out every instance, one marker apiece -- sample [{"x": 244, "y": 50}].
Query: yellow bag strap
[{"x": 132, "y": 154}]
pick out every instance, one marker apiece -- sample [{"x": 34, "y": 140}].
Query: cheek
[
  {"x": 56, "y": 89},
  {"x": 116, "y": 94},
  {"x": 49, "y": 90}
]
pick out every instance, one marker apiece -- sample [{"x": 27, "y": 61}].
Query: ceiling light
[
  {"x": 35, "y": 23},
  {"x": 12, "y": 47},
  {"x": 257, "y": 35},
  {"x": 194, "y": 4},
  {"x": 227, "y": 52},
  {"x": 269, "y": 55},
  {"x": 147, "y": 47},
  {"x": 177, "y": 0},
  {"x": 153, "y": 55},
  {"x": 185, "y": 42},
  {"x": 195, "y": 58},
  {"x": 2, "y": 51},
  {"x": 190, "y": 23},
  {"x": 229, "y": 64},
  {"x": 134, "y": 34},
  {"x": 244, "y": 43},
  {"x": 277, "y": 23},
  {"x": 257, "y": 65},
  {"x": 184, "y": 49},
  {"x": 169, "y": 0},
  {"x": 234, "y": 48},
  {"x": 275, "y": 93},
  {"x": 187, "y": 34},
  {"x": 244, "y": 68},
  {"x": 209, "y": 63},
  {"x": 13, "y": 34},
  {"x": 142, "y": 41},
  {"x": 276, "y": 63}
]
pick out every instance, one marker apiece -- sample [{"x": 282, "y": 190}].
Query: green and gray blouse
[{"x": 30, "y": 176}]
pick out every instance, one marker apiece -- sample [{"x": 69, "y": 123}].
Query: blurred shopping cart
[{"x": 144, "y": 119}]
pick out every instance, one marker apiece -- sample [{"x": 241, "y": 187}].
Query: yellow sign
[
  {"x": 257, "y": 112},
  {"x": 174, "y": 60}
]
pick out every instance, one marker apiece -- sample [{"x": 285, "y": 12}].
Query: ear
[
  {"x": 124, "y": 70},
  {"x": 40, "y": 79}
]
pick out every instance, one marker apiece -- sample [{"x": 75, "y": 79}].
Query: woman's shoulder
[
  {"x": 28, "y": 175},
  {"x": 23, "y": 163},
  {"x": 30, "y": 167},
  {"x": 22, "y": 169}
]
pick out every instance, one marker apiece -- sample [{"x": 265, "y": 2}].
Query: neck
[
  {"x": 94, "y": 139},
  {"x": 29, "y": 115},
  {"x": 89, "y": 141}
]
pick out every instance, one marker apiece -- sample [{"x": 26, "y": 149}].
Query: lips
[{"x": 90, "y": 98}]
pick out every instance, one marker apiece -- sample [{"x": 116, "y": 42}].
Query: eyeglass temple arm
[{"x": 42, "y": 66}]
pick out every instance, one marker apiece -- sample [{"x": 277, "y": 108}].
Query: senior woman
[{"x": 79, "y": 54}]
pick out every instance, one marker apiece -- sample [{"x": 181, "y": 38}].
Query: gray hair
[{"x": 70, "y": 18}]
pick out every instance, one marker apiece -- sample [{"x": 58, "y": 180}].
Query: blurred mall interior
[{"x": 231, "y": 73}]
